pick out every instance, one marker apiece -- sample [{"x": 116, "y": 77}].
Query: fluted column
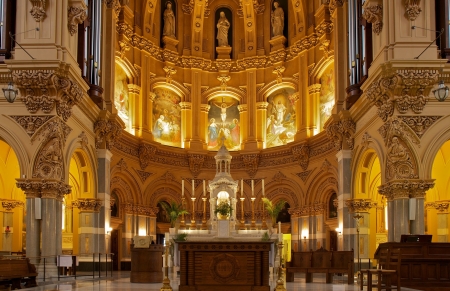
[
  {"x": 33, "y": 224},
  {"x": 243, "y": 116},
  {"x": 103, "y": 172},
  {"x": 302, "y": 105},
  {"x": 345, "y": 220},
  {"x": 197, "y": 141},
  {"x": 251, "y": 143},
  {"x": 261, "y": 115},
  {"x": 135, "y": 105},
  {"x": 314, "y": 94},
  {"x": 204, "y": 123},
  {"x": 186, "y": 123}
]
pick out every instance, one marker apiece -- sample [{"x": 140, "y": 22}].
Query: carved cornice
[
  {"x": 251, "y": 62},
  {"x": 277, "y": 56},
  {"x": 406, "y": 89},
  {"x": 169, "y": 72},
  {"x": 359, "y": 205},
  {"x": 146, "y": 151},
  {"x": 305, "y": 43},
  {"x": 340, "y": 132},
  {"x": 88, "y": 204},
  {"x": 308, "y": 210},
  {"x": 31, "y": 123},
  {"x": 140, "y": 209},
  {"x": 195, "y": 163},
  {"x": 251, "y": 163},
  {"x": 194, "y": 62},
  {"x": 223, "y": 65},
  {"x": 138, "y": 41},
  {"x": 333, "y": 4},
  {"x": 42, "y": 89},
  {"x": 76, "y": 15},
  {"x": 398, "y": 189},
  {"x": 325, "y": 27},
  {"x": 374, "y": 14},
  {"x": 279, "y": 72},
  {"x": 301, "y": 153},
  {"x": 107, "y": 131},
  {"x": 51, "y": 188},
  {"x": 170, "y": 56},
  {"x": 38, "y": 9},
  {"x": 440, "y": 206},
  {"x": 11, "y": 204},
  {"x": 413, "y": 9},
  {"x": 419, "y": 124}
]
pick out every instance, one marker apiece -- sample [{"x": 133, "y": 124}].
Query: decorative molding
[
  {"x": 413, "y": 9},
  {"x": 325, "y": 27},
  {"x": 374, "y": 14},
  {"x": 366, "y": 140},
  {"x": 87, "y": 204},
  {"x": 333, "y": 4},
  {"x": 399, "y": 189},
  {"x": 51, "y": 188},
  {"x": 279, "y": 72},
  {"x": 170, "y": 56},
  {"x": 122, "y": 165},
  {"x": 169, "y": 72},
  {"x": 223, "y": 79},
  {"x": 107, "y": 131},
  {"x": 76, "y": 15},
  {"x": 188, "y": 8},
  {"x": 308, "y": 210},
  {"x": 301, "y": 153},
  {"x": 324, "y": 47},
  {"x": 195, "y": 62},
  {"x": 195, "y": 163},
  {"x": 119, "y": 181},
  {"x": 124, "y": 47},
  {"x": 146, "y": 152},
  {"x": 440, "y": 206},
  {"x": 326, "y": 166},
  {"x": 277, "y": 56},
  {"x": 223, "y": 65},
  {"x": 279, "y": 177},
  {"x": 340, "y": 132},
  {"x": 31, "y": 123},
  {"x": 83, "y": 140},
  {"x": 42, "y": 89},
  {"x": 11, "y": 204},
  {"x": 251, "y": 163},
  {"x": 419, "y": 124},
  {"x": 359, "y": 205},
  {"x": 140, "y": 209},
  {"x": 330, "y": 181},
  {"x": 143, "y": 175},
  {"x": 304, "y": 175},
  {"x": 251, "y": 62},
  {"x": 38, "y": 9}
]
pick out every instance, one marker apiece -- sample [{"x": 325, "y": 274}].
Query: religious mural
[
  {"x": 224, "y": 124},
  {"x": 121, "y": 96},
  {"x": 280, "y": 123},
  {"x": 326, "y": 95},
  {"x": 167, "y": 117}
]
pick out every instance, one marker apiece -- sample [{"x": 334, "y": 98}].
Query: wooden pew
[
  {"x": 13, "y": 271},
  {"x": 320, "y": 261}
]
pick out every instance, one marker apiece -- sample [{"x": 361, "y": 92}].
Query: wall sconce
[
  {"x": 304, "y": 238},
  {"x": 10, "y": 93},
  {"x": 441, "y": 93},
  {"x": 339, "y": 231},
  {"x": 7, "y": 230},
  {"x": 108, "y": 232}
]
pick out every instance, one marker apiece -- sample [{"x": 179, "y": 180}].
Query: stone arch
[
  {"x": 319, "y": 189},
  {"x": 132, "y": 73},
  {"x": 174, "y": 86},
  {"x": 318, "y": 70},
  {"x": 215, "y": 92},
  {"x": 128, "y": 186},
  {"x": 166, "y": 194},
  {"x": 367, "y": 174},
  {"x": 13, "y": 141},
  {"x": 82, "y": 175},
  {"x": 273, "y": 86}
]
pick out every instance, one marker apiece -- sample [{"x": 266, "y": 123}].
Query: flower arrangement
[{"x": 223, "y": 208}]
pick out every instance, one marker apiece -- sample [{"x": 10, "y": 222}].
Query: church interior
[{"x": 115, "y": 108}]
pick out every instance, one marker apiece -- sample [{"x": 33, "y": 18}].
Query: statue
[
  {"x": 277, "y": 20},
  {"x": 169, "y": 21},
  {"x": 223, "y": 25}
]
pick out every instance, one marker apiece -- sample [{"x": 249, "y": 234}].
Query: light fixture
[
  {"x": 109, "y": 230},
  {"x": 339, "y": 231},
  {"x": 441, "y": 93},
  {"x": 10, "y": 92}
]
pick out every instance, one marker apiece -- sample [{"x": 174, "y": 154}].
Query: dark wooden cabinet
[{"x": 146, "y": 264}]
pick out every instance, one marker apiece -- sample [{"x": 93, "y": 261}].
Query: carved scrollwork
[
  {"x": 374, "y": 14},
  {"x": 195, "y": 163},
  {"x": 223, "y": 79},
  {"x": 279, "y": 72},
  {"x": 83, "y": 139},
  {"x": 87, "y": 204},
  {"x": 146, "y": 152},
  {"x": 252, "y": 62},
  {"x": 440, "y": 206},
  {"x": 324, "y": 47},
  {"x": 43, "y": 188},
  {"x": 76, "y": 15},
  {"x": 169, "y": 72},
  {"x": 412, "y": 9},
  {"x": 333, "y": 4},
  {"x": 301, "y": 153},
  {"x": 38, "y": 9},
  {"x": 11, "y": 204},
  {"x": 107, "y": 131},
  {"x": 397, "y": 189},
  {"x": 31, "y": 123},
  {"x": 143, "y": 175},
  {"x": 359, "y": 205},
  {"x": 251, "y": 163},
  {"x": 140, "y": 209},
  {"x": 419, "y": 124},
  {"x": 341, "y": 133},
  {"x": 304, "y": 175}
]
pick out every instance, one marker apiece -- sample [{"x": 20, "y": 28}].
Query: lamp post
[
  {"x": 10, "y": 93},
  {"x": 357, "y": 217},
  {"x": 441, "y": 93}
]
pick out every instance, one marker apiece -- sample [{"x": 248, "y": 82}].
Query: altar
[{"x": 224, "y": 265}]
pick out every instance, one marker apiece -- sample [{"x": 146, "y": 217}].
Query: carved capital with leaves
[
  {"x": 146, "y": 152},
  {"x": 107, "y": 130},
  {"x": 251, "y": 163},
  {"x": 301, "y": 153},
  {"x": 195, "y": 163}
]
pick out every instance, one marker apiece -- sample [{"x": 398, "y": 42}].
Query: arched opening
[{"x": 13, "y": 201}]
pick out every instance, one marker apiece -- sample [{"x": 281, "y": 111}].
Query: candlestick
[
  {"x": 253, "y": 188},
  {"x": 193, "y": 188},
  {"x": 263, "y": 187},
  {"x": 279, "y": 226},
  {"x": 253, "y": 225},
  {"x": 166, "y": 282},
  {"x": 204, "y": 188},
  {"x": 193, "y": 224},
  {"x": 182, "y": 187},
  {"x": 242, "y": 187},
  {"x": 204, "y": 226},
  {"x": 242, "y": 214}
]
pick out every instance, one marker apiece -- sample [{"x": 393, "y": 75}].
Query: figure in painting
[
  {"x": 223, "y": 25},
  {"x": 396, "y": 151},
  {"x": 279, "y": 109},
  {"x": 277, "y": 20},
  {"x": 223, "y": 110},
  {"x": 169, "y": 21},
  {"x": 213, "y": 132},
  {"x": 235, "y": 132},
  {"x": 159, "y": 126}
]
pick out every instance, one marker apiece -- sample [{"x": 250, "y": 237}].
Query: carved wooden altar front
[{"x": 225, "y": 265}]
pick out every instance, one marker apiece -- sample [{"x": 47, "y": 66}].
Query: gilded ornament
[{"x": 76, "y": 15}]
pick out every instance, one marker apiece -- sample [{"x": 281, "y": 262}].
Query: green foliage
[
  {"x": 273, "y": 209},
  {"x": 265, "y": 236},
  {"x": 181, "y": 237},
  {"x": 174, "y": 210},
  {"x": 223, "y": 208}
]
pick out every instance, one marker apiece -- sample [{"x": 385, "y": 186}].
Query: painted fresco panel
[
  {"x": 167, "y": 117},
  {"x": 121, "y": 96},
  {"x": 326, "y": 102},
  {"x": 224, "y": 124},
  {"x": 280, "y": 123}
]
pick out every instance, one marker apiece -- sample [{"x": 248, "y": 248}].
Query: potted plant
[
  {"x": 223, "y": 209},
  {"x": 174, "y": 210},
  {"x": 273, "y": 209}
]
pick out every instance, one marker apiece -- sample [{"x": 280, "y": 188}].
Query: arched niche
[
  {"x": 275, "y": 18},
  {"x": 280, "y": 122},
  {"x": 168, "y": 20},
  {"x": 224, "y": 124},
  {"x": 121, "y": 96},
  {"x": 167, "y": 121},
  {"x": 219, "y": 26}
]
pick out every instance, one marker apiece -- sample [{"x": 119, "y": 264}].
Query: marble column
[
  {"x": 400, "y": 213},
  {"x": 345, "y": 219},
  {"x": 33, "y": 225},
  {"x": 103, "y": 176},
  {"x": 418, "y": 224},
  {"x": 49, "y": 227}
]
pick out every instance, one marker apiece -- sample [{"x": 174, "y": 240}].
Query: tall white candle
[
  {"x": 193, "y": 188},
  {"x": 263, "y": 187},
  {"x": 253, "y": 188},
  {"x": 182, "y": 188},
  {"x": 242, "y": 187},
  {"x": 279, "y": 226},
  {"x": 204, "y": 188}
]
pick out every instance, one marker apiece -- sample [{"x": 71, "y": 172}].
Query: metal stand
[
  {"x": 166, "y": 282},
  {"x": 357, "y": 217},
  {"x": 280, "y": 281}
]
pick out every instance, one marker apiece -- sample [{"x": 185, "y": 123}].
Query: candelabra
[
  {"x": 183, "y": 223},
  {"x": 280, "y": 281},
  {"x": 193, "y": 225},
  {"x": 242, "y": 226},
  {"x": 166, "y": 281},
  {"x": 357, "y": 217},
  {"x": 204, "y": 214},
  {"x": 264, "y": 223},
  {"x": 253, "y": 225}
]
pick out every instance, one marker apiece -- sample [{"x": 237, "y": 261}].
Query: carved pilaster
[
  {"x": 374, "y": 14},
  {"x": 251, "y": 163},
  {"x": 359, "y": 205},
  {"x": 146, "y": 152},
  {"x": 76, "y": 15},
  {"x": 301, "y": 153},
  {"x": 107, "y": 130},
  {"x": 195, "y": 163}
]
